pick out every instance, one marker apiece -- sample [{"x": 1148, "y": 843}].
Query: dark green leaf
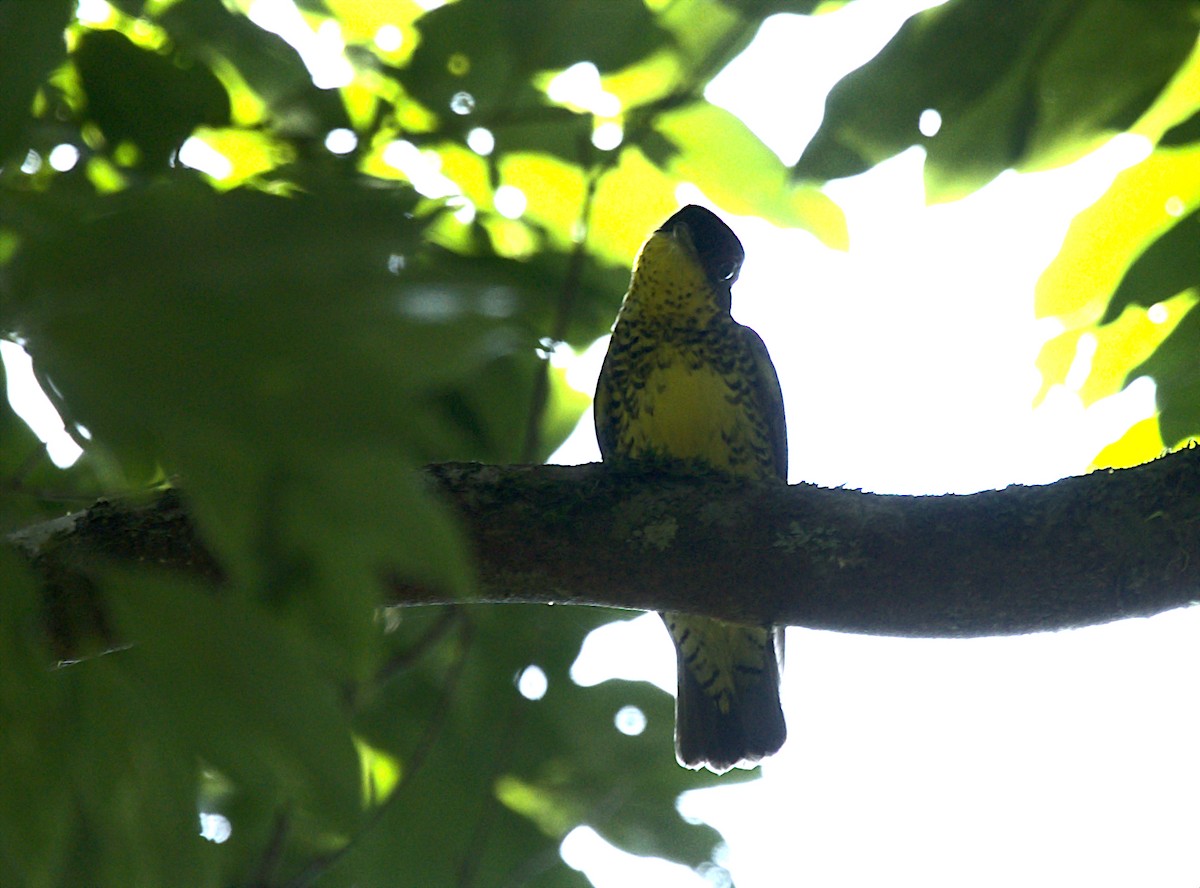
[
  {"x": 97, "y": 790},
  {"x": 1025, "y": 84},
  {"x": 315, "y": 357},
  {"x": 488, "y": 50},
  {"x": 1183, "y": 133},
  {"x": 546, "y": 128},
  {"x": 1169, "y": 266},
  {"x": 241, "y": 693},
  {"x": 1177, "y": 384},
  {"x": 31, "y": 46},
  {"x": 140, "y": 96},
  {"x": 271, "y": 67},
  {"x": 771, "y": 7},
  {"x": 33, "y": 739},
  {"x": 132, "y": 8},
  {"x": 557, "y": 762},
  {"x": 135, "y": 819}
]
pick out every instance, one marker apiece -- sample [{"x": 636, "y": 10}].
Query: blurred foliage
[
  {"x": 1128, "y": 277},
  {"x": 1024, "y": 84},
  {"x": 286, "y": 273}
]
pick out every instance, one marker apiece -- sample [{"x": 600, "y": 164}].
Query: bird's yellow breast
[{"x": 688, "y": 410}]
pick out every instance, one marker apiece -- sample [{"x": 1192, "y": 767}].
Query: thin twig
[
  {"x": 562, "y": 318},
  {"x": 473, "y": 853},
  {"x": 402, "y": 660},
  {"x": 321, "y": 865},
  {"x": 269, "y": 862}
]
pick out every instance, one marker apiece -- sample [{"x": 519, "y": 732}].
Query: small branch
[{"x": 563, "y": 308}]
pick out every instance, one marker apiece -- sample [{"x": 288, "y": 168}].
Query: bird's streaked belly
[{"x": 689, "y": 412}]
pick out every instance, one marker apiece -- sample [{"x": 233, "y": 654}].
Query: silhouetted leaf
[
  {"x": 1177, "y": 384},
  {"x": 144, "y": 97},
  {"x": 558, "y": 761},
  {"x": 1027, "y": 84},
  {"x": 1169, "y": 266},
  {"x": 488, "y": 50},
  {"x": 270, "y": 66},
  {"x": 241, "y": 694},
  {"x": 1183, "y": 133},
  {"x": 96, "y": 788},
  {"x": 294, "y": 334},
  {"x": 1122, "y": 255},
  {"x": 31, "y": 46},
  {"x": 733, "y": 167}
]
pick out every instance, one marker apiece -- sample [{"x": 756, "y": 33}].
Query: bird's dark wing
[
  {"x": 606, "y": 426},
  {"x": 770, "y": 398}
]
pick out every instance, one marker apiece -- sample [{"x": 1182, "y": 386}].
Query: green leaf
[
  {"x": 538, "y": 767},
  {"x": 1177, "y": 385},
  {"x": 241, "y": 692},
  {"x": 362, "y": 19},
  {"x": 133, "y": 8},
  {"x": 708, "y": 34},
  {"x": 35, "y": 796},
  {"x": 1092, "y": 286},
  {"x": 1104, "y": 70},
  {"x": 1183, "y": 133},
  {"x": 1119, "y": 345},
  {"x": 548, "y": 130},
  {"x": 133, "y": 788},
  {"x": 719, "y": 153},
  {"x": 1017, "y": 84},
  {"x": 213, "y": 33},
  {"x": 488, "y": 50},
  {"x": 476, "y": 63},
  {"x": 316, "y": 360},
  {"x": 151, "y": 100},
  {"x": 1140, "y": 443},
  {"x": 1168, "y": 266},
  {"x": 31, "y": 46},
  {"x": 1105, "y": 239},
  {"x": 96, "y": 789},
  {"x": 621, "y": 225}
]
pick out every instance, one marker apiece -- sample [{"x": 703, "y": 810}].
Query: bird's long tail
[{"x": 727, "y": 710}]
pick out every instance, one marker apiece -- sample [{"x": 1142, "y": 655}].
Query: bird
[{"x": 685, "y": 384}]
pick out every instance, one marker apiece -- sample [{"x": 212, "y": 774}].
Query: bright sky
[{"x": 907, "y": 366}]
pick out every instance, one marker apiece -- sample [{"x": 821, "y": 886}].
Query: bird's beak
[{"x": 681, "y": 236}]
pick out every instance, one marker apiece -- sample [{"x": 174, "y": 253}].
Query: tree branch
[{"x": 1084, "y": 550}]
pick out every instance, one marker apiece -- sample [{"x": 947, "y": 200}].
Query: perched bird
[{"x": 683, "y": 381}]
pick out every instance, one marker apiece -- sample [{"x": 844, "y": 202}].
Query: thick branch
[{"x": 1084, "y": 550}]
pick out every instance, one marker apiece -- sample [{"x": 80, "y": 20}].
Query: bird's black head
[{"x": 717, "y": 247}]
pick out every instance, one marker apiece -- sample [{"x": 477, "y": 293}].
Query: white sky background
[{"x": 907, "y": 366}]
